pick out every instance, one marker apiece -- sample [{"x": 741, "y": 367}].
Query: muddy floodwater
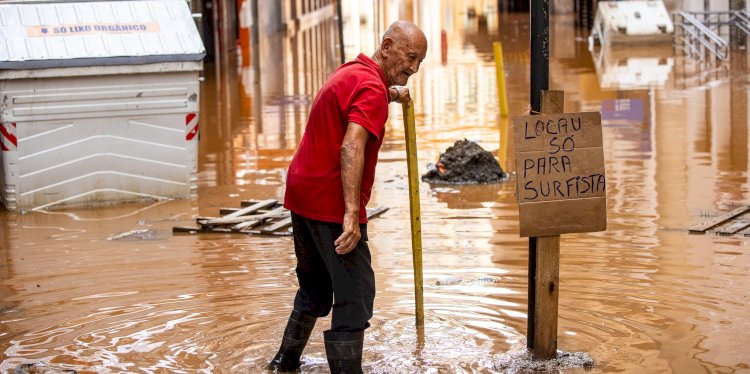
[{"x": 644, "y": 296}]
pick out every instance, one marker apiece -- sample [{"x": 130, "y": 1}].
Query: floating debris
[
  {"x": 447, "y": 281},
  {"x": 734, "y": 222},
  {"x": 521, "y": 361},
  {"x": 465, "y": 163},
  {"x": 267, "y": 217},
  {"x": 40, "y": 368},
  {"x": 253, "y": 217},
  {"x": 140, "y": 234},
  {"x": 451, "y": 280}
]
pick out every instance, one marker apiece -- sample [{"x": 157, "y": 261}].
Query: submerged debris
[
  {"x": 266, "y": 217},
  {"x": 465, "y": 163},
  {"x": 451, "y": 280},
  {"x": 39, "y": 368},
  {"x": 521, "y": 361},
  {"x": 141, "y": 234}
]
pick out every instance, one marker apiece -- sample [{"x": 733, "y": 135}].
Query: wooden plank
[
  {"x": 246, "y": 225},
  {"x": 560, "y": 162},
  {"x": 705, "y": 226},
  {"x": 315, "y": 17},
  {"x": 218, "y": 221},
  {"x": 273, "y": 233},
  {"x": 198, "y": 230},
  {"x": 734, "y": 227},
  {"x": 546, "y": 296},
  {"x": 226, "y": 220},
  {"x": 553, "y": 102},
  {"x": 286, "y": 222},
  {"x": 544, "y": 274},
  {"x": 539, "y": 221},
  {"x": 371, "y": 213},
  {"x": 251, "y": 209},
  {"x": 224, "y": 211},
  {"x": 237, "y": 216},
  {"x": 245, "y": 203},
  {"x": 374, "y": 212}
]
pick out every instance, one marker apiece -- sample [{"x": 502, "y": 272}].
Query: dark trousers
[{"x": 327, "y": 279}]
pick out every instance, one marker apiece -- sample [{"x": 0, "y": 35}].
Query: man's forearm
[{"x": 352, "y": 163}]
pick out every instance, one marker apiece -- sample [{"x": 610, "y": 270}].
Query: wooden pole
[
  {"x": 545, "y": 276},
  {"x": 414, "y": 209}
]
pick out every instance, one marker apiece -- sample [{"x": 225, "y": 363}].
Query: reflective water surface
[{"x": 643, "y": 296}]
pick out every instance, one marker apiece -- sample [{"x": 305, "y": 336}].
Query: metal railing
[
  {"x": 703, "y": 35},
  {"x": 742, "y": 21},
  {"x": 695, "y": 39}
]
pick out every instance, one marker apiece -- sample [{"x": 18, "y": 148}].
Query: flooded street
[{"x": 643, "y": 297}]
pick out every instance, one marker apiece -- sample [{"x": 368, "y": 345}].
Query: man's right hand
[
  {"x": 351, "y": 235},
  {"x": 399, "y": 94}
]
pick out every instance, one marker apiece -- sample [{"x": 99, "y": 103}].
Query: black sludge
[{"x": 465, "y": 163}]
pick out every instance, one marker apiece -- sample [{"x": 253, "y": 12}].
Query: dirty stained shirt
[{"x": 356, "y": 92}]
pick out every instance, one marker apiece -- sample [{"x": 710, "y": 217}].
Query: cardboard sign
[{"x": 560, "y": 178}]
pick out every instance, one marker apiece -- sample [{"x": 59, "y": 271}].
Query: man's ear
[{"x": 385, "y": 47}]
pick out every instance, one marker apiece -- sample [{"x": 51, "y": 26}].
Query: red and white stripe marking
[
  {"x": 8, "y": 139},
  {"x": 191, "y": 123}
]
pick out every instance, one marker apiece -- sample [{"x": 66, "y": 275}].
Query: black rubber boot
[
  {"x": 297, "y": 331},
  {"x": 344, "y": 351}
]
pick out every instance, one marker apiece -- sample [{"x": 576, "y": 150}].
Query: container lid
[{"x": 85, "y": 33}]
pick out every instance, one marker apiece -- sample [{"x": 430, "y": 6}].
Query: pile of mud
[{"x": 465, "y": 163}]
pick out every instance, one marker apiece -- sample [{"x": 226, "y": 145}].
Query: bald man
[{"x": 328, "y": 186}]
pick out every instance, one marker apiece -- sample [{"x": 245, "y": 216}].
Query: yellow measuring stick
[{"x": 415, "y": 214}]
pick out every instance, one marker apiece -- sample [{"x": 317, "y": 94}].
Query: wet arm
[{"x": 352, "y": 163}]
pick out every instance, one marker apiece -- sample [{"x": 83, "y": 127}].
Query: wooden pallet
[
  {"x": 731, "y": 223},
  {"x": 266, "y": 217}
]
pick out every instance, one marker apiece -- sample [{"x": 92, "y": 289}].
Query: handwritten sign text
[{"x": 561, "y": 182}]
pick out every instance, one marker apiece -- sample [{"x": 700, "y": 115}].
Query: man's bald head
[
  {"x": 402, "y": 49},
  {"x": 405, "y": 31}
]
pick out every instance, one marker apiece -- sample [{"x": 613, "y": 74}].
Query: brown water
[{"x": 643, "y": 296}]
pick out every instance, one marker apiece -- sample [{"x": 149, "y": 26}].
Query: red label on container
[
  {"x": 191, "y": 121},
  {"x": 7, "y": 136}
]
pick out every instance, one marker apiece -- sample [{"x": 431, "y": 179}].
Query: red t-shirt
[{"x": 356, "y": 92}]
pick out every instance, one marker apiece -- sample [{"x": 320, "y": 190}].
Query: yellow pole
[
  {"x": 416, "y": 215},
  {"x": 502, "y": 96},
  {"x": 502, "y": 153}
]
